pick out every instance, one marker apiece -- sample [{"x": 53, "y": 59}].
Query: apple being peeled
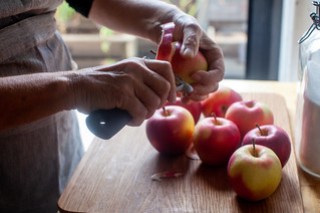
[
  {"x": 215, "y": 139},
  {"x": 193, "y": 107},
  {"x": 247, "y": 114},
  {"x": 185, "y": 67},
  {"x": 169, "y": 50},
  {"x": 273, "y": 137},
  {"x": 254, "y": 172},
  {"x": 166, "y": 47},
  {"x": 170, "y": 130},
  {"x": 219, "y": 101}
]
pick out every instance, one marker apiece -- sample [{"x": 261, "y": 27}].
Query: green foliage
[
  {"x": 104, "y": 33},
  {"x": 64, "y": 12},
  {"x": 188, "y": 6}
]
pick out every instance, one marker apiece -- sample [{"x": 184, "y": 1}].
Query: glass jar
[{"x": 307, "y": 145}]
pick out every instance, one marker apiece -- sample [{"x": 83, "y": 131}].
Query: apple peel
[
  {"x": 166, "y": 175},
  {"x": 166, "y": 46},
  {"x": 191, "y": 154}
]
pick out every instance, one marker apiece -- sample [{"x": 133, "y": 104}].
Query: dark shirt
[{"x": 81, "y": 6}]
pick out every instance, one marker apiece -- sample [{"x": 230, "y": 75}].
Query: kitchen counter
[{"x": 83, "y": 192}]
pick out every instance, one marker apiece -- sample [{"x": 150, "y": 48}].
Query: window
[
  {"x": 226, "y": 22},
  {"x": 249, "y": 33}
]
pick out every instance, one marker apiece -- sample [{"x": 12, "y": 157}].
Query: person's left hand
[{"x": 194, "y": 39}]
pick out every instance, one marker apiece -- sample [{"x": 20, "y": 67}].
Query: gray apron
[{"x": 36, "y": 159}]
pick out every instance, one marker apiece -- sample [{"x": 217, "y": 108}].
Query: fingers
[
  {"x": 150, "y": 83},
  {"x": 162, "y": 69},
  {"x": 213, "y": 54},
  {"x": 191, "y": 39},
  {"x": 157, "y": 86},
  {"x": 136, "y": 85},
  {"x": 194, "y": 39},
  {"x": 189, "y": 32},
  {"x": 206, "y": 82}
]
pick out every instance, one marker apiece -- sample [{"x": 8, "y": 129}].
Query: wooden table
[{"x": 83, "y": 192}]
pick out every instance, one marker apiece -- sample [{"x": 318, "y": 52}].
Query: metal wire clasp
[{"x": 316, "y": 22}]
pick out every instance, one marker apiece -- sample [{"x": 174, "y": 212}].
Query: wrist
[
  {"x": 160, "y": 19},
  {"x": 71, "y": 80}
]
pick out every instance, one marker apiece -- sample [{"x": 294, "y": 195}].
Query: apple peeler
[{"x": 105, "y": 123}]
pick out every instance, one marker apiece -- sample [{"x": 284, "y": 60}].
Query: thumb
[{"x": 191, "y": 40}]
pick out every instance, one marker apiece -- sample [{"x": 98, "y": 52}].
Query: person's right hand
[{"x": 137, "y": 85}]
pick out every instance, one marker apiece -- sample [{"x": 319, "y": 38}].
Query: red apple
[
  {"x": 193, "y": 107},
  {"x": 170, "y": 130},
  {"x": 215, "y": 139},
  {"x": 247, "y": 114},
  {"x": 273, "y": 137},
  {"x": 219, "y": 101},
  {"x": 254, "y": 172},
  {"x": 169, "y": 50}
]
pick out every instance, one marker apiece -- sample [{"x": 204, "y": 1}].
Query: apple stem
[
  {"x": 254, "y": 147},
  {"x": 260, "y": 130},
  {"x": 214, "y": 116},
  {"x": 165, "y": 111}
]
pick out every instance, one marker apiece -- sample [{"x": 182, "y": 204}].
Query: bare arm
[
  {"x": 139, "y": 17},
  {"x": 136, "y": 85},
  {"x": 29, "y": 97}
]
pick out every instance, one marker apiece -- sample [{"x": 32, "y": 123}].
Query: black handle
[{"x": 106, "y": 123}]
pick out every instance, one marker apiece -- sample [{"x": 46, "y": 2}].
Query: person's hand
[
  {"x": 137, "y": 85},
  {"x": 193, "y": 39}
]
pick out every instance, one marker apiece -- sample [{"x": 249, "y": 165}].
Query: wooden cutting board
[{"x": 115, "y": 176}]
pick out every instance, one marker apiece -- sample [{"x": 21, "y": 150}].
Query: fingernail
[{"x": 188, "y": 52}]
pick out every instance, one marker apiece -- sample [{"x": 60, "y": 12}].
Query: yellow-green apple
[
  {"x": 215, "y": 139},
  {"x": 219, "y": 101},
  {"x": 170, "y": 50},
  {"x": 194, "y": 107},
  {"x": 248, "y": 113},
  {"x": 273, "y": 137},
  {"x": 254, "y": 172},
  {"x": 170, "y": 130}
]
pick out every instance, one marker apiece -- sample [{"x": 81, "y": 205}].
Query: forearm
[
  {"x": 142, "y": 18},
  {"x": 30, "y": 97}
]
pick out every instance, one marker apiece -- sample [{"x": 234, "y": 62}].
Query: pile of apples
[{"x": 226, "y": 130}]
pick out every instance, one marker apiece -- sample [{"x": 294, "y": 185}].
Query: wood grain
[{"x": 115, "y": 176}]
